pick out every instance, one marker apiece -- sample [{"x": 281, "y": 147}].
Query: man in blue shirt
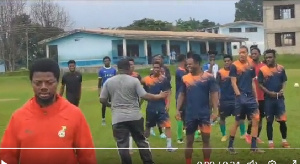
[
  {"x": 105, "y": 73},
  {"x": 272, "y": 80},
  {"x": 211, "y": 66},
  {"x": 157, "y": 111},
  {"x": 197, "y": 90},
  {"x": 242, "y": 74}
]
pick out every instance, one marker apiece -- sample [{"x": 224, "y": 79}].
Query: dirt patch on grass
[
  {"x": 90, "y": 88},
  {"x": 6, "y": 100}
]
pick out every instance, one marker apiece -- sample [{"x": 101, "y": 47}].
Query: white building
[{"x": 254, "y": 31}]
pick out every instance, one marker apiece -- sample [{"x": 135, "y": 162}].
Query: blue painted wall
[
  {"x": 85, "y": 49},
  {"x": 89, "y": 49}
]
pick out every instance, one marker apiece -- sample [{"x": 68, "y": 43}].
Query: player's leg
[
  {"x": 150, "y": 121},
  {"x": 130, "y": 144},
  {"x": 103, "y": 114},
  {"x": 249, "y": 128},
  {"x": 161, "y": 133},
  {"x": 180, "y": 128},
  {"x": 270, "y": 118},
  {"x": 121, "y": 135},
  {"x": 191, "y": 127},
  {"x": 281, "y": 118},
  {"x": 205, "y": 128},
  {"x": 137, "y": 133},
  {"x": 239, "y": 115},
  {"x": 164, "y": 121},
  {"x": 225, "y": 110},
  {"x": 253, "y": 114},
  {"x": 261, "y": 105}
]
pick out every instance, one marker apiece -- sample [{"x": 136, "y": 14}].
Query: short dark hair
[
  {"x": 227, "y": 56},
  {"x": 255, "y": 48},
  {"x": 106, "y": 57},
  {"x": 131, "y": 59},
  {"x": 212, "y": 52},
  {"x": 45, "y": 65},
  {"x": 156, "y": 62},
  {"x": 124, "y": 64},
  {"x": 181, "y": 58},
  {"x": 190, "y": 53},
  {"x": 196, "y": 58},
  {"x": 71, "y": 62},
  {"x": 245, "y": 47},
  {"x": 271, "y": 51}
]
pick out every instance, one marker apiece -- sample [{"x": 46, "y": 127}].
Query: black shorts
[
  {"x": 226, "y": 109},
  {"x": 73, "y": 99}
]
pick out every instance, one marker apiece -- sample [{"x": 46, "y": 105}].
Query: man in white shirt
[{"x": 211, "y": 66}]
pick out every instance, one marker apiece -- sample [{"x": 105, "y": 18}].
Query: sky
[{"x": 96, "y": 14}]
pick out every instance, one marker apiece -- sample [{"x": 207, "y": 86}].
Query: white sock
[
  {"x": 270, "y": 141},
  {"x": 130, "y": 142},
  {"x": 169, "y": 142},
  {"x": 284, "y": 140}
]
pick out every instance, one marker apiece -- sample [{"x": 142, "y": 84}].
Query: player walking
[{"x": 105, "y": 73}]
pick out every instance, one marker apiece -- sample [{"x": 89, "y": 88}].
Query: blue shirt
[
  {"x": 197, "y": 91},
  {"x": 226, "y": 89},
  {"x": 215, "y": 68},
  {"x": 244, "y": 72},
  {"x": 155, "y": 85},
  {"x": 180, "y": 72},
  {"x": 272, "y": 78},
  {"x": 106, "y": 73}
]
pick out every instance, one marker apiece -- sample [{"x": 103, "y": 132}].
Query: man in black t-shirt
[{"x": 72, "y": 80}]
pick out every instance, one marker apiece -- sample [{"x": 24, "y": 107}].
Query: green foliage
[
  {"x": 159, "y": 25},
  {"x": 249, "y": 10}
]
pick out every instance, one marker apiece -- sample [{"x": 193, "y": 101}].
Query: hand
[
  {"x": 178, "y": 115},
  {"x": 213, "y": 117},
  {"x": 273, "y": 94},
  {"x": 167, "y": 107},
  {"x": 164, "y": 94},
  {"x": 281, "y": 92}
]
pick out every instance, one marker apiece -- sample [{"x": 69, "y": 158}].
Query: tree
[
  {"x": 249, "y": 10},
  {"x": 9, "y": 10},
  {"x": 147, "y": 24},
  {"x": 50, "y": 14}
]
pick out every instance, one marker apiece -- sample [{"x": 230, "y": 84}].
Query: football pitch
[{"x": 16, "y": 90}]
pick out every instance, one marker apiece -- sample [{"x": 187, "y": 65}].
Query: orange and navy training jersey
[
  {"x": 259, "y": 91},
  {"x": 272, "y": 78},
  {"x": 224, "y": 81},
  {"x": 136, "y": 75},
  {"x": 60, "y": 125},
  {"x": 197, "y": 90},
  {"x": 180, "y": 72},
  {"x": 244, "y": 72},
  {"x": 155, "y": 85}
]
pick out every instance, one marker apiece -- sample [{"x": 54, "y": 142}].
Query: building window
[
  {"x": 132, "y": 50},
  {"x": 285, "y": 39},
  {"x": 231, "y": 30},
  {"x": 203, "y": 48},
  {"x": 216, "y": 31},
  {"x": 284, "y": 12},
  {"x": 251, "y": 29}
]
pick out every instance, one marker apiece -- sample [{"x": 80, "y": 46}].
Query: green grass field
[{"x": 16, "y": 90}]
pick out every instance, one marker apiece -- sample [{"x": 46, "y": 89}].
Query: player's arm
[
  {"x": 218, "y": 80},
  {"x": 100, "y": 75},
  {"x": 168, "y": 89},
  {"x": 284, "y": 79},
  {"x": 80, "y": 89},
  {"x": 233, "y": 78},
  {"x": 62, "y": 87},
  {"x": 10, "y": 140},
  {"x": 253, "y": 74},
  {"x": 260, "y": 79},
  {"x": 148, "y": 96},
  {"x": 214, "y": 96},
  {"x": 180, "y": 100},
  {"x": 83, "y": 139}
]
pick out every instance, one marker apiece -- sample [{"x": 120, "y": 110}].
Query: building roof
[
  {"x": 152, "y": 35},
  {"x": 242, "y": 22}
]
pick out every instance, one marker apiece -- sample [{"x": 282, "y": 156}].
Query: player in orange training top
[{"x": 47, "y": 121}]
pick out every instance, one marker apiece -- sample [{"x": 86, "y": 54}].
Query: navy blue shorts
[
  {"x": 227, "y": 108},
  {"x": 202, "y": 123},
  {"x": 157, "y": 117},
  {"x": 275, "y": 108},
  {"x": 246, "y": 106}
]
